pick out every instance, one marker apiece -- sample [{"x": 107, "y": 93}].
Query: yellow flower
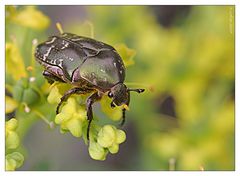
[
  {"x": 12, "y": 138},
  {"x": 11, "y": 105},
  {"x": 13, "y": 59},
  {"x": 56, "y": 92},
  {"x": 72, "y": 117},
  {"x": 13, "y": 161},
  {"x": 126, "y": 54},
  {"x": 110, "y": 137},
  {"x": 29, "y": 16},
  {"x": 96, "y": 151}
]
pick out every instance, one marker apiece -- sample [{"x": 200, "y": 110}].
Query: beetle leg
[
  {"x": 93, "y": 98},
  {"x": 124, "y": 111},
  {"x": 51, "y": 77},
  {"x": 75, "y": 90},
  {"x": 123, "y": 116}
]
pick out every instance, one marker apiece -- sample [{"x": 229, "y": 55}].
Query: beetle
[{"x": 89, "y": 65}]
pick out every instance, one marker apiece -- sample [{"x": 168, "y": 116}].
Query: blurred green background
[{"x": 185, "y": 119}]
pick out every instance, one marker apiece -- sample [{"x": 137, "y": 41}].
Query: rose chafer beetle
[{"x": 89, "y": 65}]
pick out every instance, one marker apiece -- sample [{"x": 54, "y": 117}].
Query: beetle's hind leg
[
  {"x": 92, "y": 99},
  {"x": 51, "y": 77},
  {"x": 75, "y": 90}
]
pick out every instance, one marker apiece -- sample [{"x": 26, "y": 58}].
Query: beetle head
[{"x": 121, "y": 94}]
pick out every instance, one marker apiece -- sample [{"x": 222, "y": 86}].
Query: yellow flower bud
[
  {"x": 12, "y": 138},
  {"x": 11, "y": 104},
  {"x": 106, "y": 136},
  {"x": 11, "y": 164},
  {"x": 11, "y": 124},
  {"x": 72, "y": 117},
  {"x": 114, "y": 148},
  {"x": 75, "y": 127},
  {"x": 121, "y": 136},
  {"x": 13, "y": 161},
  {"x": 96, "y": 151},
  {"x": 57, "y": 91}
]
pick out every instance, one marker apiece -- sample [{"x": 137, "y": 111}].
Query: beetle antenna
[
  {"x": 136, "y": 90},
  {"x": 146, "y": 86}
]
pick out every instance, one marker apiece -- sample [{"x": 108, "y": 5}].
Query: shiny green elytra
[{"x": 89, "y": 65}]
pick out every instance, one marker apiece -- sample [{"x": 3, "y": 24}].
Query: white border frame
[{"x": 122, "y": 2}]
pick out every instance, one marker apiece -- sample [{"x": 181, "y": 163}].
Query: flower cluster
[
  {"x": 73, "y": 118},
  {"x": 23, "y": 84},
  {"x": 108, "y": 139},
  {"x": 13, "y": 159}
]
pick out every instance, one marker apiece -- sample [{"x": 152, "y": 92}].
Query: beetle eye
[{"x": 110, "y": 94}]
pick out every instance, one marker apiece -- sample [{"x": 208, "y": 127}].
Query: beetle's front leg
[
  {"x": 93, "y": 98},
  {"x": 75, "y": 90},
  {"x": 51, "y": 77}
]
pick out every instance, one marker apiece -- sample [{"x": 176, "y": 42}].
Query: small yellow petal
[
  {"x": 11, "y": 105},
  {"x": 106, "y": 136},
  {"x": 11, "y": 164},
  {"x": 75, "y": 127},
  {"x": 70, "y": 107},
  {"x": 11, "y": 124},
  {"x": 54, "y": 96},
  {"x": 96, "y": 151},
  {"x": 12, "y": 140},
  {"x": 114, "y": 149},
  {"x": 121, "y": 136},
  {"x": 61, "y": 118},
  {"x": 14, "y": 160}
]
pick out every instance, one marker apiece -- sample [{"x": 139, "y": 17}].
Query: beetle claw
[
  {"x": 112, "y": 105},
  {"x": 141, "y": 90}
]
